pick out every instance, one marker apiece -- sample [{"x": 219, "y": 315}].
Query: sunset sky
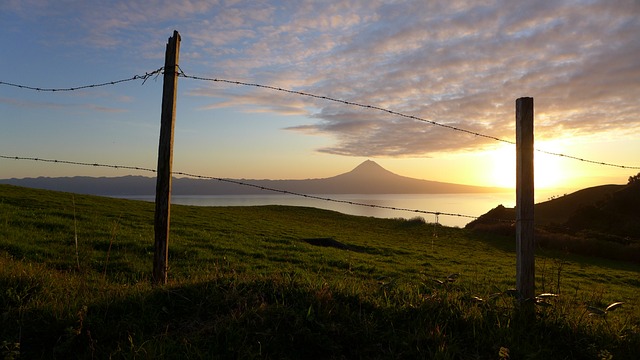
[{"x": 458, "y": 63}]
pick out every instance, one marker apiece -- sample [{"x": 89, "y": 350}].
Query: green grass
[{"x": 245, "y": 282}]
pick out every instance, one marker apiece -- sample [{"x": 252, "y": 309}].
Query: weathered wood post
[
  {"x": 165, "y": 160},
  {"x": 525, "y": 262}
]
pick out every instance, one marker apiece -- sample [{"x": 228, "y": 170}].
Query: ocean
[{"x": 474, "y": 204}]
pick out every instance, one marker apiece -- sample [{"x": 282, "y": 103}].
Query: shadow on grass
[
  {"x": 328, "y": 242},
  {"x": 229, "y": 318},
  {"x": 333, "y": 243}
]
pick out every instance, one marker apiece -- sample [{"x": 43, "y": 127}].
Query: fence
[
  {"x": 172, "y": 72},
  {"x": 147, "y": 75}
]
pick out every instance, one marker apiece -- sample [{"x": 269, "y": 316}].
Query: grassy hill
[
  {"x": 289, "y": 282},
  {"x": 598, "y": 221},
  {"x": 560, "y": 209}
]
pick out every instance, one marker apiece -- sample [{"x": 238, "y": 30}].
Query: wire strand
[
  {"x": 396, "y": 113},
  {"x": 181, "y": 73},
  {"x": 144, "y": 78},
  {"x": 345, "y": 102},
  {"x": 78, "y": 163},
  {"x": 323, "y": 198},
  {"x": 231, "y": 181}
]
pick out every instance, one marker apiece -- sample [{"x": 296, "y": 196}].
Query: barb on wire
[
  {"x": 437, "y": 213},
  {"x": 154, "y": 73},
  {"x": 392, "y": 112},
  {"x": 144, "y": 78}
]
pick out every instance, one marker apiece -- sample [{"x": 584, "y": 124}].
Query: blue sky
[{"x": 459, "y": 63}]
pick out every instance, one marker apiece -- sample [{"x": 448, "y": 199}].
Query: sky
[{"x": 461, "y": 64}]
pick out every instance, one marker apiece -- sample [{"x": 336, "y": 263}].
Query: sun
[
  {"x": 501, "y": 169},
  {"x": 548, "y": 170}
]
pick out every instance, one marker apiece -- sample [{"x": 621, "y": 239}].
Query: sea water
[{"x": 376, "y": 205}]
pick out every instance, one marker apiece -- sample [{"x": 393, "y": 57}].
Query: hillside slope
[
  {"x": 602, "y": 220},
  {"x": 283, "y": 282},
  {"x": 613, "y": 209}
]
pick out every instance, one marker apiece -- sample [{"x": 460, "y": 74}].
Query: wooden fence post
[
  {"x": 525, "y": 260},
  {"x": 165, "y": 160}
]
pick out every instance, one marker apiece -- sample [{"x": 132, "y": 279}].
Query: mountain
[
  {"x": 371, "y": 178},
  {"x": 366, "y": 178}
]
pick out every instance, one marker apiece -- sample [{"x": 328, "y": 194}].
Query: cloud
[
  {"x": 462, "y": 64},
  {"x": 29, "y": 104},
  {"x": 257, "y": 101},
  {"x": 459, "y": 63}
]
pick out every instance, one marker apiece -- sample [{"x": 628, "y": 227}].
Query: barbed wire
[
  {"x": 287, "y": 192},
  {"x": 345, "y": 102},
  {"x": 144, "y": 78},
  {"x": 237, "y": 182},
  {"x": 77, "y": 163},
  {"x": 396, "y": 113},
  {"x": 181, "y": 73},
  {"x": 586, "y": 160}
]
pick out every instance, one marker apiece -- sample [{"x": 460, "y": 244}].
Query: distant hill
[
  {"x": 366, "y": 178},
  {"x": 602, "y": 221},
  {"x": 605, "y": 207}
]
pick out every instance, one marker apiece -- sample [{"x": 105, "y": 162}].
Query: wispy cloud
[
  {"x": 29, "y": 104},
  {"x": 460, "y": 63},
  {"x": 265, "y": 101}
]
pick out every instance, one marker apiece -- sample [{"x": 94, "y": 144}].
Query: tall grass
[{"x": 247, "y": 282}]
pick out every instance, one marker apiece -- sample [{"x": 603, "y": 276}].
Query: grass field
[{"x": 254, "y": 282}]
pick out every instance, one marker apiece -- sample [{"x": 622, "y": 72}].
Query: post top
[{"x": 176, "y": 35}]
